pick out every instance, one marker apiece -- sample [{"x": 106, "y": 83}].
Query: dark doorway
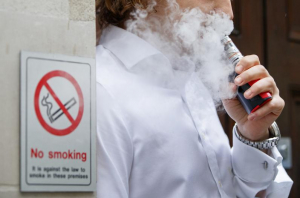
[{"x": 271, "y": 29}]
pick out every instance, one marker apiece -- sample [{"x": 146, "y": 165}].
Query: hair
[{"x": 115, "y": 12}]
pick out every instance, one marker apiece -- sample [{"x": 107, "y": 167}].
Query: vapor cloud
[{"x": 191, "y": 40}]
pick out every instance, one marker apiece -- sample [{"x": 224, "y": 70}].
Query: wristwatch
[{"x": 266, "y": 144}]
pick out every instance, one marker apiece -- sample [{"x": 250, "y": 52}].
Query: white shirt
[{"x": 159, "y": 142}]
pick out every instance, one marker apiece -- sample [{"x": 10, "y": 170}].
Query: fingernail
[
  {"x": 248, "y": 94},
  {"x": 238, "y": 80},
  {"x": 239, "y": 69}
]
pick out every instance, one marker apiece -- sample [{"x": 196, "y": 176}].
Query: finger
[
  {"x": 254, "y": 73},
  {"x": 246, "y": 63},
  {"x": 275, "y": 107},
  {"x": 233, "y": 87},
  {"x": 263, "y": 85}
]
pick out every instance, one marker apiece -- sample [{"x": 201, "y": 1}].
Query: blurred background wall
[
  {"x": 48, "y": 26},
  {"x": 268, "y": 28},
  {"x": 271, "y": 29}
]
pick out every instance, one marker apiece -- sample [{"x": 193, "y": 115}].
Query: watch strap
[{"x": 266, "y": 144}]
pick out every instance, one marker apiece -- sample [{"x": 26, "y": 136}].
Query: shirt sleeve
[
  {"x": 255, "y": 171},
  {"x": 114, "y": 148}
]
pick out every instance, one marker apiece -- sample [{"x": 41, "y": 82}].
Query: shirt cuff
[{"x": 253, "y": 165}]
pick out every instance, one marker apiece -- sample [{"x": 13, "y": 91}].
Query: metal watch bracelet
[{"x": 266, "y": 144}]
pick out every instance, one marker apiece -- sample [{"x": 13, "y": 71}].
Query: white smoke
[{"x": 191, "y": 40}]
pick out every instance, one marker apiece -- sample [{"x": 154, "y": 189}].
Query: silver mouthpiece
[{"x": 232, "y": 52}]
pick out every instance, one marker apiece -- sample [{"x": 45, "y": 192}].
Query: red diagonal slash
[{"x": 60, "y": 104}]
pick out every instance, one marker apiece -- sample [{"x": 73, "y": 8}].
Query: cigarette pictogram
[{"x": 59, "y": 112}]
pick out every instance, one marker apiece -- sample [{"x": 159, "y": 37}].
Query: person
[{"x": 154, "y": 142}]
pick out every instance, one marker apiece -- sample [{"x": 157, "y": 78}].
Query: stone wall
[{"x": 49, "y": 26}]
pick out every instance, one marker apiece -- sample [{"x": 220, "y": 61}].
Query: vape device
[{"x": 234, "y": 56}]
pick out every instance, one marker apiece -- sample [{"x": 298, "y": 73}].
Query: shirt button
[
  {"x": 203, "y": 135},
  {"x": 220, "y": 184},
  {"x": 266, "y": 164}
]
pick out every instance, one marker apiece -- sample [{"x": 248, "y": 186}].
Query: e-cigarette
[{"x": 234, "y": 56}]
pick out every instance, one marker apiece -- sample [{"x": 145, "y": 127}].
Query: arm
[
  {"x": 250, "y": 176},
  {"x": 114, "y": 148}
]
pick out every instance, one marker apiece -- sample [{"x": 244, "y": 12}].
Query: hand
[{"x": 254, "y": 126}]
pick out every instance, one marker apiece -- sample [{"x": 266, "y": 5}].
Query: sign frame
[{"x": 26, "y": 186}]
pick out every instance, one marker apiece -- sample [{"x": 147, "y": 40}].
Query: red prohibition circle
[{"x": 43, "y": 82}]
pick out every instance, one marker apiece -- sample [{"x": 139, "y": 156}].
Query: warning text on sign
[
  {"x": 70, "y": 154},
  {"x": 58, "y": 173}
]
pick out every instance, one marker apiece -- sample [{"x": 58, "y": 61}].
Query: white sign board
[{"x": 58, "y": 150}]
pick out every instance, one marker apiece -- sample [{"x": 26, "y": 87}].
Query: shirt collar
[{"x": 129, "y": 48}]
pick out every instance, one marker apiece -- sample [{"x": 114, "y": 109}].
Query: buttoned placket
[{"x": 204, "y": 138}]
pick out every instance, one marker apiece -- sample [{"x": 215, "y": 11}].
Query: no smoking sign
[
  {"x": 48, "y": 97},
  {"x": 58, "y": 151}
]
